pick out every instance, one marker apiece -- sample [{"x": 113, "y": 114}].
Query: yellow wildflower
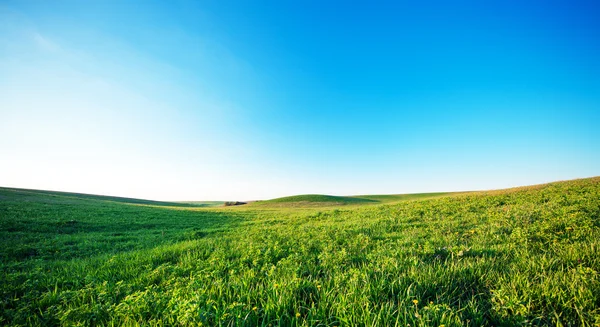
[
  {"x": 255, "y": 308},
  {"x": 416, "y": 302},
  {"x": 297, "y": 314}
]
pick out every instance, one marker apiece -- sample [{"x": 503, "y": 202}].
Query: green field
[
  {"x": 320, "y": 200},
  {"x": 520, "y": 257}
]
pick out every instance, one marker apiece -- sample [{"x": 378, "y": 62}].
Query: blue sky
[{"x": 209, "y": 100}]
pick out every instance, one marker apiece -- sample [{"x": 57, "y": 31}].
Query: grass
[
  {"x": 77, "y": 196},
  {"x": 313, "y": 200},
  {"x": 205, "y": 203},
  {"x": 393, "y": 198},
  {"x": 519, "y": 257},
  {"x": 320, "y": 200}
]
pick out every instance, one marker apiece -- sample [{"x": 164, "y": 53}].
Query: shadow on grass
[
  {"x": 464, "y": 291},
  {"x": 442, "y": 255},
  {"x": 38, "y": 230}
]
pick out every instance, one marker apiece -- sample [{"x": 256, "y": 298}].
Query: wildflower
[
  {"x": 255, "y": 308},
  {"x": 430, "y": 302},
  {"x": 442, "y": 325},
  {"x": 297, "y": 314},
  {"x": 416, "y": 302}
]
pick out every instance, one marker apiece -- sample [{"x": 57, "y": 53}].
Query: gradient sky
[{"x": 219, "y": 100}]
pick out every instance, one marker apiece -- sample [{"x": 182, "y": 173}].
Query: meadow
[{"x": 518, "y": 257}]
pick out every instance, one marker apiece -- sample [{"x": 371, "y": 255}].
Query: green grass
[
  {"x": 205, "y": 203},
  {"x": 313, "y": 200},
  {"x": 76, "y": 196},
  {"x": 519, "y": 257},
  {"x": 392, "y": 198},
  {"x": 320, "y": 200}
]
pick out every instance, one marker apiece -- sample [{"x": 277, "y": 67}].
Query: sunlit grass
[{"x": 523, "y": 257}]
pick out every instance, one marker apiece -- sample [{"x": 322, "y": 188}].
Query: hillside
[
  {"x": 392, "y": 198},
  {"x": 58, "y": 196},
  {"x": 320, "y": 200},
  {"x": 519, "y": 257},
  {"x": 314, "y": 200}
]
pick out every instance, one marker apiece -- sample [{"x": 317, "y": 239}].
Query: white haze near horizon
[{"x": 79, "y": 121}]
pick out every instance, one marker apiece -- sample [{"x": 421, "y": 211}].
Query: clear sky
[{"x": 220, "y": 100}]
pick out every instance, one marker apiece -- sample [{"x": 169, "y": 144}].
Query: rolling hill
[
  {"x": 321, "y": 200},
  {"x": 518, "y": 257},
  {"x": 82, "y": 196}
]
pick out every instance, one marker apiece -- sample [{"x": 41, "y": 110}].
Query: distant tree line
[{"x": 233, "y": 203}]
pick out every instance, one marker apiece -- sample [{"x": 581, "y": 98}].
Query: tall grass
[{"x": 523, "y": 257}]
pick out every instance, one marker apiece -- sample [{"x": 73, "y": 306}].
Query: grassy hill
[
  {"x": 63, "y": 196},
  {"x": 519, "y": 257},
  {"x": 320, "y": 200},
  {"x": 314, "y": 200},
  {"x": 392, "y": 198}
]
